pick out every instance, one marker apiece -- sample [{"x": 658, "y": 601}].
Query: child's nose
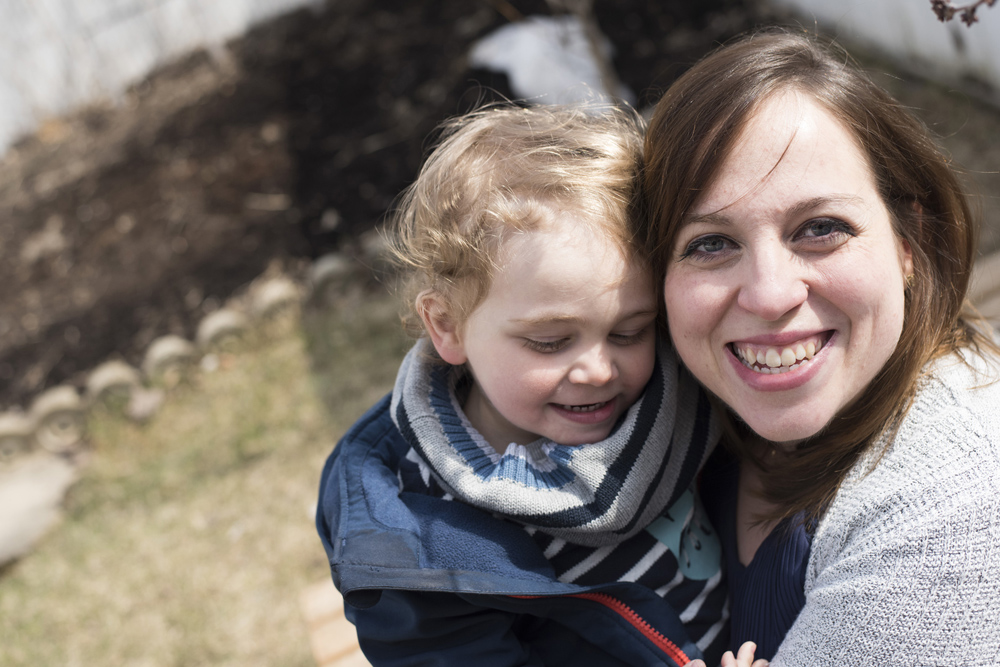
[{"x": 595, "y": 367}]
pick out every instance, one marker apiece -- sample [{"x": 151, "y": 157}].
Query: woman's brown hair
[{"x": 691, "y": 134}]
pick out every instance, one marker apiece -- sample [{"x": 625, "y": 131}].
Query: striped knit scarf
[{"x": 592, "y": 494}]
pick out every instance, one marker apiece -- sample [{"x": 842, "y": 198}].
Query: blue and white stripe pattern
[
  {"x": 701, "y": 601},
  {"x": 592, "y": 494},
  {"x": 681, "y": 564}
]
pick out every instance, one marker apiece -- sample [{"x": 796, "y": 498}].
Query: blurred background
[{"x": 203, "y": 181}]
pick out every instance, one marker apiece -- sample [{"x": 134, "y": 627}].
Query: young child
[{"x": 524, "y": 495}]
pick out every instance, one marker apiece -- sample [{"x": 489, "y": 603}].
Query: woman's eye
[
  {"x": 825, "y": 230},
  {"x": 545, "y": 346},
  {"x": 708, "y": 247}
]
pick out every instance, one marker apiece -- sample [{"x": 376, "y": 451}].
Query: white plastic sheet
[{"x": 547, "y": 60}]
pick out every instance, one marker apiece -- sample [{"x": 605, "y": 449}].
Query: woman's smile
[{"x": 774, "y": 360}]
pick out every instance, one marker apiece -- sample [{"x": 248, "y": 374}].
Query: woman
[{"x": 815, "y": 251}]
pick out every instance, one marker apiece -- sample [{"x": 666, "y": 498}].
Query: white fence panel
[
  {"x": 909, "y": 32},
  {"x": 58, "y": 54}
]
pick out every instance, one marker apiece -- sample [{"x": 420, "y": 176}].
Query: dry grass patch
[{"x": 188, "y": 539}]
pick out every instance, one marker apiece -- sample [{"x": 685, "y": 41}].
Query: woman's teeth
[{"x": 772, "y": 360}]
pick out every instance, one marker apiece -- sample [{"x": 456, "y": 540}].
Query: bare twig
[
  {"x": 967, "y": 13},
  {"x": 507, "y": 10}
]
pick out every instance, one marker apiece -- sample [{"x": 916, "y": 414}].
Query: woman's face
[{"x": 785, "y": 287}]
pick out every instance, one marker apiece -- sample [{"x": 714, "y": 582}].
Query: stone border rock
[
  {"x": 55, "y": 419},
  {"x": 40, "y": 445}
]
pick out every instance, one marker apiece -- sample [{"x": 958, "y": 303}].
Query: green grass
[{"x": 188, "y": 540}]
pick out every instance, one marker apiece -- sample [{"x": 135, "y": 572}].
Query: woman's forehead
[{"x": 792, "y": 148}]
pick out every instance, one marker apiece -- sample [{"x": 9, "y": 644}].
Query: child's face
[{"x": 563, "y": 344}]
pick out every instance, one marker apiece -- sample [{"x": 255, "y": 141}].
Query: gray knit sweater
[{"x": 905, "y": 564}]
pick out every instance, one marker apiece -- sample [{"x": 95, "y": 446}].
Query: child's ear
[{"x": 444, "y": 333}]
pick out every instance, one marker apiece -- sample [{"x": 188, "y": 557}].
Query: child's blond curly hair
[{"x": 502, "y": 170}]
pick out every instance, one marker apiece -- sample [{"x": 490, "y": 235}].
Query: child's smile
[{"x": 563, "y": 344}]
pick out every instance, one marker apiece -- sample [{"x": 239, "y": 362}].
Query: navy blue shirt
[{"x": 767, "y": 595}]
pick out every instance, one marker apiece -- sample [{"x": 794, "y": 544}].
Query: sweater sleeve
[{"x": 905, "y": 568}]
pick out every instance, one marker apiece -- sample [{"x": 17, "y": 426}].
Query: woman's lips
[{"x": 773, "y": 360}]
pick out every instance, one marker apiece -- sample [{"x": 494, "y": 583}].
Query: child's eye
[
  {"x": 630, "y": 338},
  {"x": 545, "y": 346},
  {"x": 825, "y": 232},
  {"x": 708, "y": 247}
]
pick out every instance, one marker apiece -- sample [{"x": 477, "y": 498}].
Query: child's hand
[{"x": 744, "y": 658}]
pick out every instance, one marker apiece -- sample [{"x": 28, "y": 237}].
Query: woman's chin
[{"x": 787, "y": 432}]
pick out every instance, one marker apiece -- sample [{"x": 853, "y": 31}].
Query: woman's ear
[
  {"x": 444, "y": 332},
  {"x": 905, "y": 249},
  {"x": 906, "y": 258}
]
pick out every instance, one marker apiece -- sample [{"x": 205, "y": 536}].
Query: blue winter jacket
[{"x": 428, "y": 581}]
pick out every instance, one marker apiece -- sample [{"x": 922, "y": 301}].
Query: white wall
[
  {"x": 909, "y": 31},
  {"x": 58, "y": 54}
]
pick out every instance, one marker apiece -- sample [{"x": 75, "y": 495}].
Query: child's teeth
[{"x": 585, "y": 408}]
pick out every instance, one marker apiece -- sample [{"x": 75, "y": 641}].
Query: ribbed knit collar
[{"x": 592, "y": 494}]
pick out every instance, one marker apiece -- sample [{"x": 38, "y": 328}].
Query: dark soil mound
[{"x": 123, "y": 224}]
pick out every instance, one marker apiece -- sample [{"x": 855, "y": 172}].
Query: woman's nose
[
  {"x": 595, "y": 367},
  {"x": 773, "y": 285}
]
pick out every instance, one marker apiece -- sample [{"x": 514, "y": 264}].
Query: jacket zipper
[{"x": 649, "y": 632}]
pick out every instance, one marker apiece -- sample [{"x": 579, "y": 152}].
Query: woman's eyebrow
[
  {"x": 819, "y": 202},
  {"x": 804, "y": 206},
  {"x": 715, "y": 218}
]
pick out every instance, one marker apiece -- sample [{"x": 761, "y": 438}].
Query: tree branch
[{"x": 967, "y": 13}]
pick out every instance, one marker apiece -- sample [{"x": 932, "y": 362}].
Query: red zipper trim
[{"x": 636, "y": 621}]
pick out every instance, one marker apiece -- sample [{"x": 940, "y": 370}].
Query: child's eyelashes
[
  {"x": 632, "y": 338},
  {"x": 621, "y": 339},
  {"x": 545, "y": 346}
]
